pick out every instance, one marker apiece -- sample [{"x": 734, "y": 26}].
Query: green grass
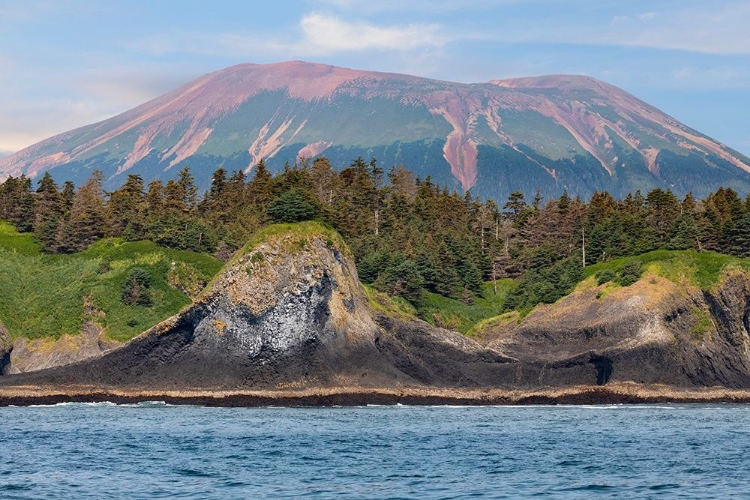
[
  {"x": 298, "y": 235},
  {"x": 702, "y": 323},
  {"x": 393, "y": 306},
  {"x": 494, "y": 321},
  {"x": 15, "y": 242},
  {"x": 43, "y": 296},
  {"x": 701, "y": 269},
  {"x": 456, "y": 315}
]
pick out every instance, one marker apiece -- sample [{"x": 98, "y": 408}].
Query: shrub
[
  {"x": 605, "y": 276},
  {"x": 135, "y": 289},
  {"x": 545, "y": 285},
  {"x": 292, "y": 206},
  {"x": 401, "y": 279},
  {"x": 630, "y": 272},
  {"x": 105, "y": 265}
]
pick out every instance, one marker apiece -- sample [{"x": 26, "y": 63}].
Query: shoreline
[{"x": 358, "y": 396}]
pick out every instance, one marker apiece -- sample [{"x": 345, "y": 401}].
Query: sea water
[{"x": 154, "y": 450}]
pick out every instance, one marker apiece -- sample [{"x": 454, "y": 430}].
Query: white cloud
[
  {"x": 430, "y": 6},
  {"x": 332, "y": 34},
  {"x": 319, "y": 34}
]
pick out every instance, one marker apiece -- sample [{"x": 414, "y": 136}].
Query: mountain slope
[{"x": 549, "y": 133}]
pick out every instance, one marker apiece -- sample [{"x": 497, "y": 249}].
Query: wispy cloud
[
  {"x": 319, "y": 34},
  {"x": 329, "y": 33},
  {"x": 430, "y": 6},
  {"x": 717, "y": 29}
]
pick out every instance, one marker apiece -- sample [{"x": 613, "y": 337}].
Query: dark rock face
[
  {"x": 649, "y": 333},
  {"x": 6, "y": 346},
  {"x": 434, "y": 356},
  {"x": 275, "y": 318}
]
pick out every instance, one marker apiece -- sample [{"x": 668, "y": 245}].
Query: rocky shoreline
[{"x": 344, "y": 396}]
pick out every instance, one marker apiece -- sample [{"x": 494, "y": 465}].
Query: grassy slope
[
  {"x": 43, "y": 295},
  {"x": 456, "y": 315},
  {"x": 685, "y": 267}
]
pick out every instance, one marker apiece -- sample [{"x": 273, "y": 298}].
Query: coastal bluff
[{"x": 288, "y": 322}]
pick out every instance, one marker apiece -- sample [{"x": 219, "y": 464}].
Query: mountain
[{"x": 549, "y": 133}]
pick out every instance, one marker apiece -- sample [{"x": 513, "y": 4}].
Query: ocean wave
[{"x": 108, "y": 404}]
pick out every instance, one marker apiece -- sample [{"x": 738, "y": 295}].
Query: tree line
[{"x": 407, "y": 234}]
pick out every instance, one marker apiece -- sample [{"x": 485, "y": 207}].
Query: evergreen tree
[
  {"x": 87, "y": 220},
  {"x": 126, "y": 209},
  {"x": 738, "y": 241},
  {"x": 292, "y": 206},
  {"x": 48, "y": 211},
  {"x": 684, "y": 234},
  {"x": 260, "y": 189}
]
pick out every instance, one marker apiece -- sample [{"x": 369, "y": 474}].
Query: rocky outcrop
[
  {"x": 287, "y": 320},
  {"x": 287, "y": 313},
  {"x": 653, "y": 332},
  {"x": 38, "y": 354}
]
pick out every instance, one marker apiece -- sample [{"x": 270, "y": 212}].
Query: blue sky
[{"x": 67, "y": 63}]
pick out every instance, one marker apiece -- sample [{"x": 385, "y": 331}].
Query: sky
[{"x": 68, "y": 63}]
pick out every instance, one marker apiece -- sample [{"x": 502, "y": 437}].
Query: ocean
[{"x": 153, "y": 450}]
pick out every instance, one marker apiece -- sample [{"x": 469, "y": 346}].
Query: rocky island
[{"x": 287, "y": 322}]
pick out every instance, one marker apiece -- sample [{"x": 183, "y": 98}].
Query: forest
[{"x": 409, "y": 235}]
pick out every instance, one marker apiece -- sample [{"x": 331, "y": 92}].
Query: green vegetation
[
  {"x": 431, "y": 249},
  {"x": 701, "y": 269},
  {"x": 292, "y": 206},
  {"x": 394, "y": 306},
  {"x": 544, "y": 285},
  {"x": 18, "y": 243},
  {"x": 296, "y": 236},
  {"x": 630, "y": 272},
  {"x": 52, "y": 295},
  {"x": 702, "y": 323},
  {"x": 605, "y": 276},
  {"x": 458, "y": 315},
  {"x": 135, "y": 290}
]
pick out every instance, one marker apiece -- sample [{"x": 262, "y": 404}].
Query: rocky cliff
[
  {"x": 26, "y": 355},
  {"x": 287, "y": 316},
  {"x": 653, "y": 332},
  {"x": 288, "y": 312}
]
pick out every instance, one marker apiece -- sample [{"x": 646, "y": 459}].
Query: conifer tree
[
  {"x": 87, "y": 219},
  {"x": 48, "y": 211}
]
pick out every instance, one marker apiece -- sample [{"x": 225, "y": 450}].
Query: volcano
[{"x": 549, "y": 133}]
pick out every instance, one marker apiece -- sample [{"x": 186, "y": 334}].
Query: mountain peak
[
  {"x": 493, "y": 138},
  {"x": 562, "y": 82}
]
